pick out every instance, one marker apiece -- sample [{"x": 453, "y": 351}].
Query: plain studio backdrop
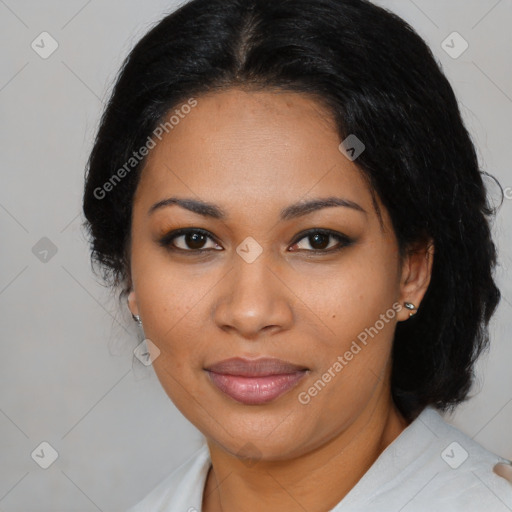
[{"x": 67, "y": 376}]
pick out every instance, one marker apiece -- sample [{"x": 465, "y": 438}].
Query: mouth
[{"x": 255, "y": 381}]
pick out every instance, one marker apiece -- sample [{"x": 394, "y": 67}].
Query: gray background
[{"x": 67, "y": 374}]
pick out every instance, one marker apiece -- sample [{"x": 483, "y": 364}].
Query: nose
[{"x": 253, "y": 300}]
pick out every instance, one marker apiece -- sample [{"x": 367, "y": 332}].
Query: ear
[
  {"x": 416, "y": 274},
  {"x": 132, "y": 303}
]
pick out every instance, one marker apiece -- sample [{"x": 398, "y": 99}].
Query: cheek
[
  {"x": 356, "y": 322},
  {"x": 173, "y": 312},
  {"x": 351, "y": 367},
  {"x": 166, "y": 292},
  {"x": 351, "y": 296},
  {"x": 172, "y": 305}
]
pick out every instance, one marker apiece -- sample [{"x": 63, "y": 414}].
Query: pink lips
[{"x": 255, "y": 381}]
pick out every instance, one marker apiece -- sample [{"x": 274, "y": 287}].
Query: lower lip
[{"x": 255, "y": 390}]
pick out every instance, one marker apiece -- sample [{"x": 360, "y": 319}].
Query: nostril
[{"x": 504, "y": 470}]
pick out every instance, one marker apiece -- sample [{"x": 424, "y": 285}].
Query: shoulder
[
  {"x": 449, "y": 470},
  {"x": 188, "y": 478},
  {"x": 462, "y": 471},
  {"x": 432, "y": 466}
]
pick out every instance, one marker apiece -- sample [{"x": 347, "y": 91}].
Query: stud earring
[
  {"x": 411, "y": 307},
  {"x": 137, "y": 319}
]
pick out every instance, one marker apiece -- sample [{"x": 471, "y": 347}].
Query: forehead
[{"x": 252, "y": 149}]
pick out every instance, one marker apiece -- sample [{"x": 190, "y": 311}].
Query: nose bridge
[
  {"x": 253, "y": 297},
  {"x": 252, "y": 278}
]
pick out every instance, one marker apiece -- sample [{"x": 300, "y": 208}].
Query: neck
[{"x": 315, "y": 481}]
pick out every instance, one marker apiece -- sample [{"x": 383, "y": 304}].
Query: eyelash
[{"x": 344, "y": 241}]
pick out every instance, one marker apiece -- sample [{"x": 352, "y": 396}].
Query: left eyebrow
[
  {"x": 303, "y": 208},
  {"x": 290, "y": 212}
]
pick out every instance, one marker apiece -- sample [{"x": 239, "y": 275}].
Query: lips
[
  {"x": 254, "y": 367},
  {"x": 255, "y": 381}
]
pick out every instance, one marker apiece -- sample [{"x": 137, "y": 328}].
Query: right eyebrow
[{"x": 193, "y": 205}]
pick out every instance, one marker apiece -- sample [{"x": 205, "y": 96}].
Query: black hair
[{"x": 380, "y": 82}]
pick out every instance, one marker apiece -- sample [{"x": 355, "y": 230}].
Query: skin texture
[{"x": 253, "y": 154}]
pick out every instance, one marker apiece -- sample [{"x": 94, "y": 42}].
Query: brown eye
[
  {"x": 194, "y": 240},
  {"x": 189, "y": 240},
  {"x": 320, "y": 241}
]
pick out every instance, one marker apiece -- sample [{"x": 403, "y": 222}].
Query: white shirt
[{"x": 430, "y": 467}]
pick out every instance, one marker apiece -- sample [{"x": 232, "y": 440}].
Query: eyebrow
[{"x": 290, "y": 212}]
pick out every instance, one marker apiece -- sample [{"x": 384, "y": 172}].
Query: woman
[{"x": 288, "y": 198}]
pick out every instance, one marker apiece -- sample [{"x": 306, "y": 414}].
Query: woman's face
[{"x": 263, "y": 287}]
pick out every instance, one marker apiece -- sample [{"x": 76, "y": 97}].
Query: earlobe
[
  {"x": 416, "y": 275},
  {"x": 132, "y": 303}
]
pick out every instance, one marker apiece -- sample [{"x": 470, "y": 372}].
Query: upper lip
[{"x": 254, "y": 367}]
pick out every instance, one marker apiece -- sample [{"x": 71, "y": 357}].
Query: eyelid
[
  {"x": 343, "y": 240},
  {"x": 167, "y": 239}
]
